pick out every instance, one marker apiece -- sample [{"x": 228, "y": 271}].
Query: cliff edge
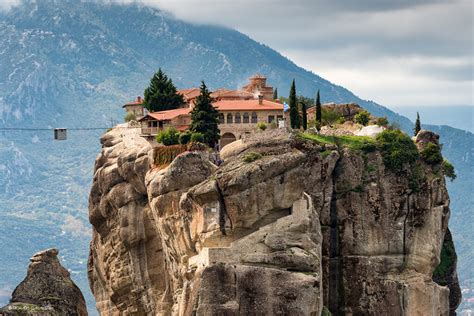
[{"x": 286, "y": 225}]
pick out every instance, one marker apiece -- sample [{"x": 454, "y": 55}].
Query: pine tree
[
  {"x": 304, "y": 116},
  {"x": 161, "y": 94},
  {"x": 294, "y": 113},
  {"x": 275, "y": 94},
  {"x": 318, "y": 111},
  {"x": 417, "y": 124},
  {"x": 205, "y": 118}
]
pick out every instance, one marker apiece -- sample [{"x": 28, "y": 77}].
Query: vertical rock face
[
  {"x": 287, "y": 232},
  {"x": 46, "y": 290}
]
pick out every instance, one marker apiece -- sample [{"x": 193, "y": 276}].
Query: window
[
  {"x": 254, "y": 117},
  {"x": 237, "y": 118},
  {"x": 279, "y": 117},
  {"x": 221, "y": 118},
  {"x": 246, "y": 118},
  {"x": 271, "y": 118},
  {"x": 229, "y": 118}
]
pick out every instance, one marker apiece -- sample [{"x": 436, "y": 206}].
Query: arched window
[
  {"x": 254, "y": 117},
  {"x": 237, "y": 118},
  {"x": 221, "y": 118},
  {"x": 229, "y": 118},
  {"x": 246, "y": 118}
]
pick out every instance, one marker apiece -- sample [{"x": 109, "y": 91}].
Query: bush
[
  {"x": 362, "y": 118},
  {"x": 273, "y": 125},
  {"x": 382, "y": 121},
  {"x": 130, "y": 116},
  {"x": 397, "y": 149},
  {"x": 184, "y": 137},
  {"x": 431, "y": 154},
  {"x": 329, "y": 117},
  {"x": 197, "y": 138},
  {"x": 168, "y": 137},
  {"x": 251, "y": 156},
  {"x": 448, "y": 170},
  {"x": 341, "y": 120},
  {"x": 262, "y": 126}
]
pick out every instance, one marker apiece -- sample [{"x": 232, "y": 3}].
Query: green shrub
[
  {"x": 251, "y": 156},
  {"x": 341, "y": 120},
  {"x": 262, "y": 126},
  {"x": 168, "y": 137},
  {"x": 273, "y": 125},
  {"x": 362, "y": 143},
  {"x": 325, "y": 312},
  {"x": 197, "y": 138},
  {"x": 431, "y": 154},
  {"x": 130, "y": 116},
  {"x": 329, "y": 117},
  {"x": 448, "y": 170},
  {"x": 382, "y": 121},
  {"x": 184, "y": 137},
  {"x": 362, "y": 118},
  {"x": 397, "y": 149},
  {"x": 447, "y": 260}
]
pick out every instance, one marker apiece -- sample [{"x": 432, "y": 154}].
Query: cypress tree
[
  {"x": 275, "y": 94},
  {"x": 161, "y": 94},
  {"x": 294, "y": 113},
  {"x": 205, "y": 118},
  {"x": 318, "y": 111},
  {"x": 417, "y": 124},
  {"x": 304, "y": 116}
]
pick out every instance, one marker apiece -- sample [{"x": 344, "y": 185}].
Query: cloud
[{"x": 7, "y": 4}]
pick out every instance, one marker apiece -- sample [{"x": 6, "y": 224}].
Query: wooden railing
[{"x": 150, "y": 130}]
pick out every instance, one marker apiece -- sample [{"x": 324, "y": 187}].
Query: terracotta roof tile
[{"x": 167, "y": 115}]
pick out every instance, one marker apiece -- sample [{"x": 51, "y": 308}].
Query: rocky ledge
[
  {"x": 284, "y": 226},
  {"x": 46, "y": 290}
]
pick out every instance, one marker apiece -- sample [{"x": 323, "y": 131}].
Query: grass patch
[
  {"x": 361, "y": 143},
  {"x": 251, "y": 156}
]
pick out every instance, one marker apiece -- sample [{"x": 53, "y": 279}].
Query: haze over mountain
[{"x": 72, "y": 64}]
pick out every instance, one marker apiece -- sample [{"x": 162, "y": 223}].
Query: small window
[
  {"x": 221, "y": 118},
  {"x": 271, "y": 118},
  {"x": 229, "y": 118},
  {"x": 254, "y": 117},
  {"x": 279, "y": 117},
  {"x": 237, "y": 118},
  {"x": 246, "y": 118}
]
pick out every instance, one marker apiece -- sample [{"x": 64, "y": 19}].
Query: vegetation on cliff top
[{"x": 161, "y": 94}]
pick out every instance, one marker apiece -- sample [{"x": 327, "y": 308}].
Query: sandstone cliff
[
  {"x": 284, "y": 226},
  {"x": 46, "y": 290}
]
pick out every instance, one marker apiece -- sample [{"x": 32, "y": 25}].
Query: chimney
[
  {"x": 139, "y": 99},
  {"x": 260, "y": 99}
]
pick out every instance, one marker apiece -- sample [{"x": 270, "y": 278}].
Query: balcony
[{"x": 150, "y": 131}]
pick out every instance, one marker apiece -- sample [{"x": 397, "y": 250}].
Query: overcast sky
[{"x": 396, "y": 52}]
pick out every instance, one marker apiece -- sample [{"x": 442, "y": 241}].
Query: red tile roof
[
  {"x": 190, "y": 93},
  {"x": 224, "y": 93},
  {"x": 138, "y": 101},
  {"x": 247, "y": 105},
  {"x": 167, "y": 115},
  {"x": 230, "y": 105}
]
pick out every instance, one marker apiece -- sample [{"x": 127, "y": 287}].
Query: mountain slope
[{"x": 71, "y": 64}]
